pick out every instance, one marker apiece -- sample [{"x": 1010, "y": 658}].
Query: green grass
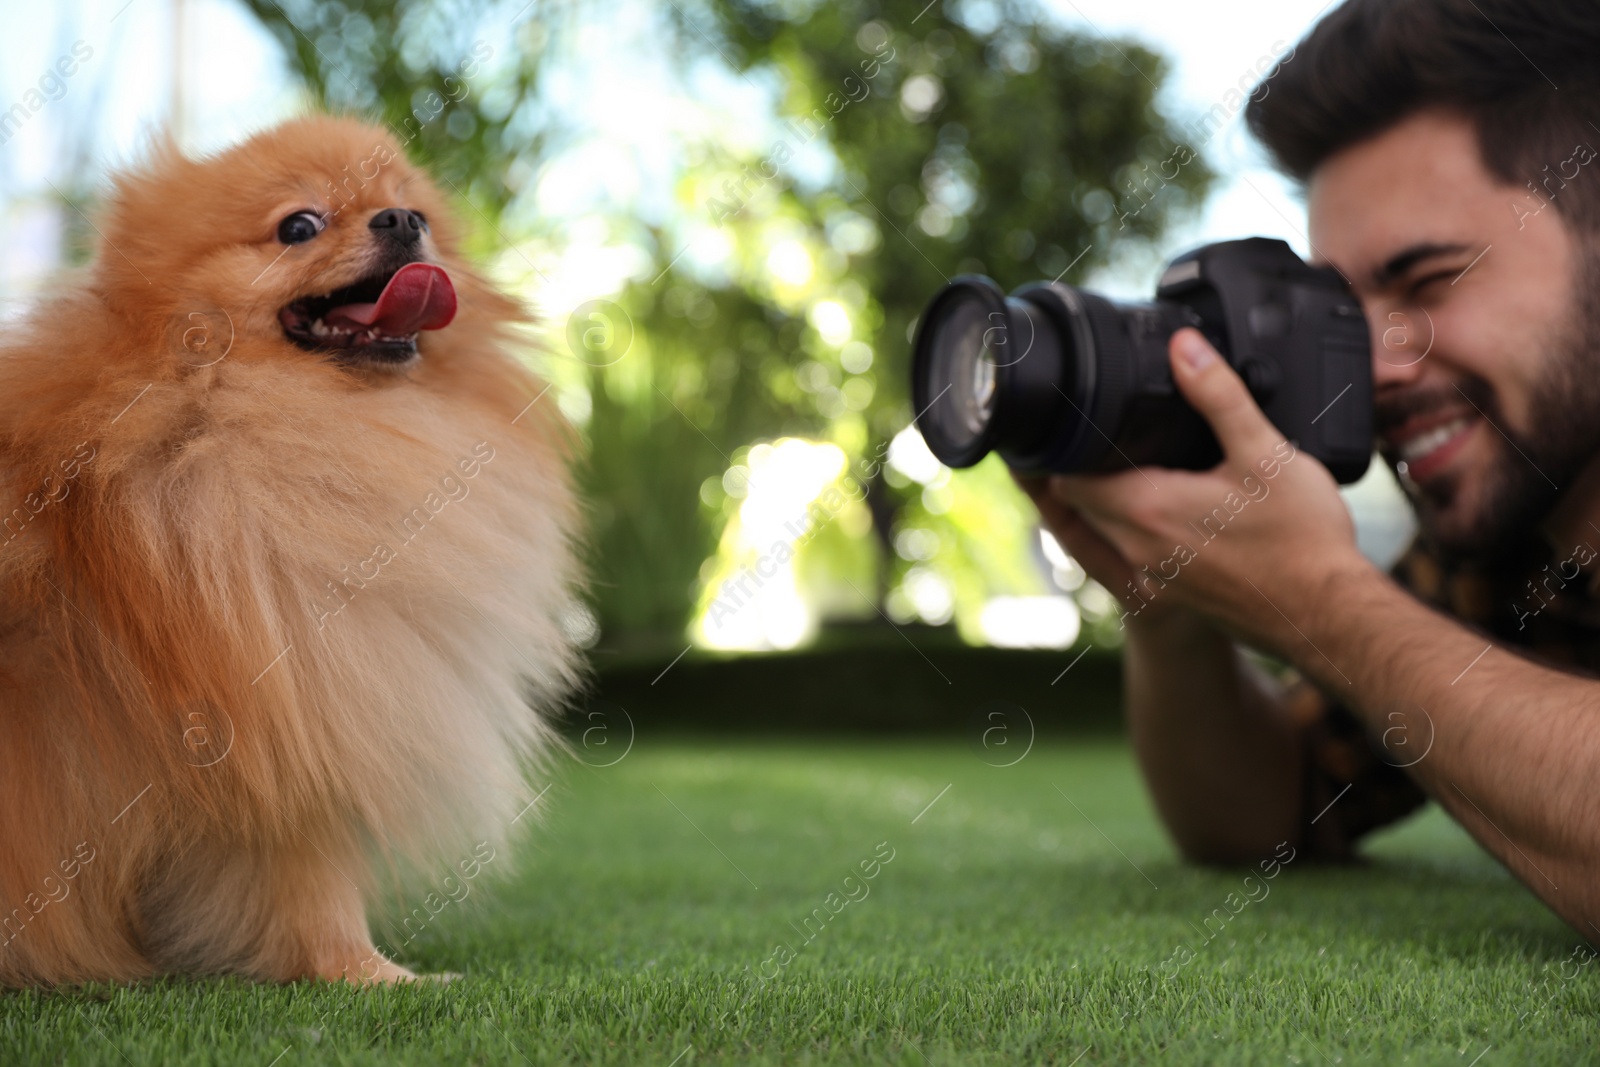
[{"x": 1009, "y": 928}]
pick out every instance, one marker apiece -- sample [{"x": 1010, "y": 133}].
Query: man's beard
[{"x": 1529, "y": 468}]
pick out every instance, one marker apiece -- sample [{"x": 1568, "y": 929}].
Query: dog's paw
[{"x": 372, "y": 969}]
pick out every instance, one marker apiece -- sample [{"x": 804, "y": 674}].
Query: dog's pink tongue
[{"x": 418, "y": 297}]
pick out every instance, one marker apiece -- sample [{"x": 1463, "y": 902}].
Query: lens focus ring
[{"x": 1114, "y": 377}]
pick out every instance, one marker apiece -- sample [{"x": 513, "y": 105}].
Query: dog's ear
[{"x": 131, "y": 250}]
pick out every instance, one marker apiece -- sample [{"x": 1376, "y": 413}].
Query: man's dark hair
[{"x": 1525, "y": 72}]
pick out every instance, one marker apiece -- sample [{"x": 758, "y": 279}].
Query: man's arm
[
  {"x": 1513, "y": 749},
  {"x": 1222, "y": 758}
]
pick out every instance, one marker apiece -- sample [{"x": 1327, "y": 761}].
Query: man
[{"x": 1453, "y": 179}]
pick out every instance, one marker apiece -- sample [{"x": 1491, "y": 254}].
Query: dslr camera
[{"x": 1057, "y": 379}]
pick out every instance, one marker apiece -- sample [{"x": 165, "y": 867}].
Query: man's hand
[
  {"x": 1252, "y": 544},
  {"x": 1269, "y": 552}
]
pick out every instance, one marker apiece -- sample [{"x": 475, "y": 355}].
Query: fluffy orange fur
[{"x": 275, "y": 626}]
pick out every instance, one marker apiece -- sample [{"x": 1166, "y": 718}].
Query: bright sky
[{"x": 73, "y": 129}]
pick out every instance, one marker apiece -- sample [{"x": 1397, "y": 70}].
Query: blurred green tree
[{"x": 908, "y": 142}]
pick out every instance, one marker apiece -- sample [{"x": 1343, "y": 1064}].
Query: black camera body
[{"x": 1058, "y": 379}]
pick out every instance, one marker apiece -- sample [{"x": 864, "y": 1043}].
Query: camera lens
[
  {"x": 961, "y": 379},
  {"x": 987, "y": 372},
  {"x": 967, "y": 359}
]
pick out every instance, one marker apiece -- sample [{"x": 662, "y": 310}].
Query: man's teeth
[{"x": 1427, "y": 443}]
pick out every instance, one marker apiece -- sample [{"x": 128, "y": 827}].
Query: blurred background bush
[{"x": 728, "y": 215}]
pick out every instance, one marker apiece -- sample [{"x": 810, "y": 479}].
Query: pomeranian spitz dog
[{"x": 283, "y": 570}]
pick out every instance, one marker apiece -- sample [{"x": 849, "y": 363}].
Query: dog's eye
[{"x": 300, "y": 227}]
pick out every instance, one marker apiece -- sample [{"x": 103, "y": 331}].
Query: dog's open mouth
[{"x": 377, "y": 319}]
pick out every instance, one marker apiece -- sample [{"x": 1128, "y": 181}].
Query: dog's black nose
[{"x": 398, "y": 224}]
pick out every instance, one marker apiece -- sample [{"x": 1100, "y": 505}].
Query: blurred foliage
[
  {"x": 992, "y": 144},
  {"x": 416, "y": 66},
  {"x": 956, "y": 137}
]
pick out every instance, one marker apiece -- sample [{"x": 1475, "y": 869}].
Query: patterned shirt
[{"x": 1533, "y": 598}]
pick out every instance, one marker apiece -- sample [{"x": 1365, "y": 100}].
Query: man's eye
[
  {"x": 299, "y": 228},
  {"x": 1426, "y": 285},
  {"x": 1414, "y": 294}
]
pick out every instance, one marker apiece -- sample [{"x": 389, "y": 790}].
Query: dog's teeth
[{"x": 319, "y": 328}]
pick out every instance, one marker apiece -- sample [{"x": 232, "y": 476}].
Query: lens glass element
[{"x": 964, "y": 360}]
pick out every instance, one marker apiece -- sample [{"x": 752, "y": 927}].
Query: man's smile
[{"x": 1427, "y": 443}]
